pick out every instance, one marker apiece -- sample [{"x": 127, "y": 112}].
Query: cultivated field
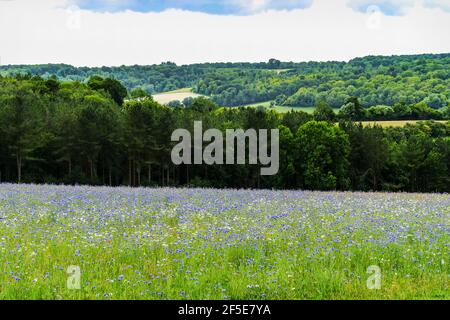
[
  {"x": 204, "y": 244},
  {"x": 393, "y": 124},
  {"x": 180, "y": 95}
]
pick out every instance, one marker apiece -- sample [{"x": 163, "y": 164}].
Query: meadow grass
[
  {"x": 281, "y": 109},
  {"x": 233, "y": 244}
]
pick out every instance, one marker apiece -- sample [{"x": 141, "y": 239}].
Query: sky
[{"x": 129, "y": 32}]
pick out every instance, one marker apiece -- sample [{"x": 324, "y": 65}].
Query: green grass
[
  {"x": 281, "y": 109},
  {"x": 205, "y": 244}
]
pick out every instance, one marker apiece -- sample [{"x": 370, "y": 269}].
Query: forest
[
  {"x": 98, "y": 132},
  {"x": 383, "y": 84}
]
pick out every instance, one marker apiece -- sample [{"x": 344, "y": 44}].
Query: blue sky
[
  {"x": 388, "y": 7},
  {"x": 248, "y": 7},
  {"x": 221, "y": 7}
]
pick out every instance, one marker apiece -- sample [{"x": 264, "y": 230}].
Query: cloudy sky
[{"x": 114, "y": 32}]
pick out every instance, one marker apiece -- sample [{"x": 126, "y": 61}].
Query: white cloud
[{"x": 47, "y": 32}]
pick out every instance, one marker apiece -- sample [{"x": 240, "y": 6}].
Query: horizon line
[{"x": 220, "y": 62}]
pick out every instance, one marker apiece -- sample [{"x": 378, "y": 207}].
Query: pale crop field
[
  {"x": 394, "y": 124},
  {"x": 179, "y": 95},
  {"x": 229, "y": 244}
]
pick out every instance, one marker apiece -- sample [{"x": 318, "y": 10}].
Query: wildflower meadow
[{"x": 78, "y": 242}]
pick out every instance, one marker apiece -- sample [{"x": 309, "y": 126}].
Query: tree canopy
[
  {"x": 374, "y": 80},
  {"x": 55, "y": 131}
]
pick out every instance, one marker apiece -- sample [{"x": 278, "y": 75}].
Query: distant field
[
  {"x": 281, "y": 109},
  {"x": 278, "y": 71},
  {"x": 394, "y": 124},
  {"x": 310, "y": 110},
  {"x": 180, "y": 95}
]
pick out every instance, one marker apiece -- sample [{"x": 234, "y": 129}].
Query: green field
[
  {"x": 61, "y": 242},
  {"x": 281, "y": 109},
  {"x": 310, "y": 110}
]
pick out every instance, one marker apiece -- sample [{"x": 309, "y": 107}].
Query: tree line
[
  {"x": 98, "y": 133},
  {"x": 381, "y": 82},
  {"x": 374, "y": 80},
  {"x": 163, "y": 77}
]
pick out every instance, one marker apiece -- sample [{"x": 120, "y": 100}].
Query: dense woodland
[
  {"x": 93, "y": 132},
  {"x": 385, "y": 84}
]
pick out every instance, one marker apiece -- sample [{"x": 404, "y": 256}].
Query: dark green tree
[
  {"x": 21, "y": 122},
  {"x": 324, "y": 112},
  {"x": 116, "y": 90},
  {"x": 323, "y": 150},
  {"x": 352, "y": 110}
]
